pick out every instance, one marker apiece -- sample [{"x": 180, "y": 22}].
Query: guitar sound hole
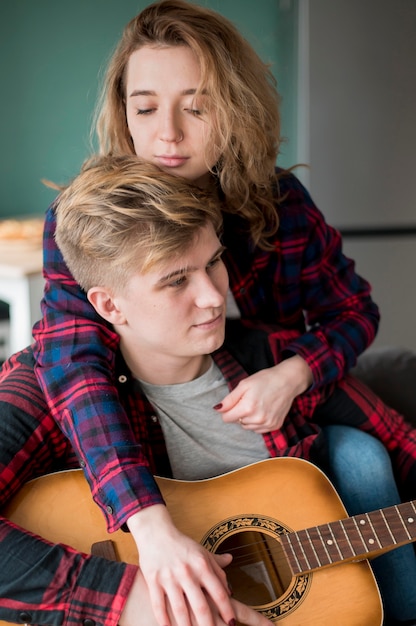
[{"x": 259, "y": 573}]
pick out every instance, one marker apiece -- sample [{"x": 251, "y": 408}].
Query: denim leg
[{"x": 360, "y": 469}]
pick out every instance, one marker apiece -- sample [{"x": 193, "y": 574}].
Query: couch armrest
[{"x": 391, "y": 373}]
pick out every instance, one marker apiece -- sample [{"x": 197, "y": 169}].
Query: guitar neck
[{"x": 351, "y": 539}]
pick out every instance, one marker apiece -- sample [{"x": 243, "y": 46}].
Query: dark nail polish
[{"x": 217, "y": 407}]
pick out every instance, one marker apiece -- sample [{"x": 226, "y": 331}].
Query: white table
[{"x": 21, "y": 286}]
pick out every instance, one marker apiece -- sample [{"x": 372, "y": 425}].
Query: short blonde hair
[
  {"x": 121, "y": 215},
  {"x": 245, "y": 103}
]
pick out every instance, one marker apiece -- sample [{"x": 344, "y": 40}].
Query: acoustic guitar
[{"x": 297, "y": 557}]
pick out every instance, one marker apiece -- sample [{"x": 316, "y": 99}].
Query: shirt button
[
  {"x": 109, "y": 510},
  {"x": 154, "y": 418},
  {"x": 25, "y": 618},
  {"x": 122, "y": 378},
  {"x": 242, "y": 290},
  {"x": 88, "y": 622}
]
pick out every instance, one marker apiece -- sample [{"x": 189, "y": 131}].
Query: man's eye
[
  {"x": 178, "y": 282},
  {"x": 214, "y": 262}
]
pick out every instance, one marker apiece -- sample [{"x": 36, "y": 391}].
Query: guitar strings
[
  {"x": 248, "y": 553},
  {"x": 272, "y": 548}
]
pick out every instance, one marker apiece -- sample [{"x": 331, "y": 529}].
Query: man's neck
[{"x": 162, "y": 370}]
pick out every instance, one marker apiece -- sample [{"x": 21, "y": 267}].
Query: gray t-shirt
[{"x": 199, "y": 444}]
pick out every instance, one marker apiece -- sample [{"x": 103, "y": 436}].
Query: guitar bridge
[{"x": 105, "y": 549}]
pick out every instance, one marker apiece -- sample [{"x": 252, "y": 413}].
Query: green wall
[{"x": 52, "y": 53}]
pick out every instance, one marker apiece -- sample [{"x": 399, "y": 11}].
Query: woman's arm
[
  {"x": 305, "y": 294},
  {"x": 74, "y": 351},
  {"x": 304, "y": 284},
  {"x": 341, "y": 317}
]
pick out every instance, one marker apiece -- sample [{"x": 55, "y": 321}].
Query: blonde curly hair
[{"x": 245, "y": 103}]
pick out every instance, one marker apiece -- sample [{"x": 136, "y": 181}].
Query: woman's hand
[
  {"x": 184, "y": 580},
  {"x": 262, "y": 401},
  {"x": 138, "y": 610}
]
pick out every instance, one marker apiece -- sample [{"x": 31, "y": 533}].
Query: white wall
[{"x": 361, "y": 87}]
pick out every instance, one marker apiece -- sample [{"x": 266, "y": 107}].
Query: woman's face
[{"x": 168, "y": 124}]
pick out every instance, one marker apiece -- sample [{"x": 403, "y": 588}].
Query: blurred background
[{"x": 346, "y": 73}]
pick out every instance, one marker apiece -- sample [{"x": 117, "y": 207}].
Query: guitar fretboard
[{"x": 349, "y": 539}]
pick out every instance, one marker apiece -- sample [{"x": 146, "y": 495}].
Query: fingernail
[
  {"x": 232, "y": 622},
  {"x": 217, "y": 407}
]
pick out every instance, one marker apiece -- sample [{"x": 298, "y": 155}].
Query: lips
[
  {"x": 211, "y": 322},
  {"x": 171, "y": 160}
]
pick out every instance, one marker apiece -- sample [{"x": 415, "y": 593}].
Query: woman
[{"x": 185, "y": 91}]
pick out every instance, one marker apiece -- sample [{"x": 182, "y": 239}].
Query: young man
[
  {"x": 151, "y": 265},
  {"x": 145, "y": 248}
]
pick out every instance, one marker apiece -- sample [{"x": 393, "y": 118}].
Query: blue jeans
[{"x": 361, "y": 471}]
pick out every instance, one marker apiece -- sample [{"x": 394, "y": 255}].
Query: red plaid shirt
[
  {"x": 305, "y": 284},
  {"x": 45, "y": 583}
]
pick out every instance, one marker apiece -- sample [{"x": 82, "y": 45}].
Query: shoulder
[
  {"x": 298, "y": 213},
  {"x": 50, "y": 216},
  {"x": 18, "y": 383},
  {"x": 292, "y": 198},
  {"x": 22, "y": 360}
]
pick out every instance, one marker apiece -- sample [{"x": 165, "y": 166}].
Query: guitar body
[{"x": 243, "y": 512}]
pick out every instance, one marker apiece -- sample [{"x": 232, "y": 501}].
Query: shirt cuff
[
  {"x": 100, "y": 593},
  {"x": 129, "y": 490}
]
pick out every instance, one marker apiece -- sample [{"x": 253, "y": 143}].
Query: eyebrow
[
  {"x": 149, "y": 92},
  {"x": 189, "y": 268}
]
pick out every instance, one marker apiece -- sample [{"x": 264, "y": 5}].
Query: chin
[
  {"x": 208, "y": 344},
  {"x": 217, "y": 342}
]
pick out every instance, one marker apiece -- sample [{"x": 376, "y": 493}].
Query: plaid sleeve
[
  {"x": 341, "y": 317},
  {"x": 74, "y": 352},
  {"x": 43, "y": 583},
  {"x": 304, "y": 283}
]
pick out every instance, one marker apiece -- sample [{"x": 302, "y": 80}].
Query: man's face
[{"x": 175, "y": 313}]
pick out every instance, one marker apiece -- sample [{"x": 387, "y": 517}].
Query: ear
[{"x": 105, "y": 304}]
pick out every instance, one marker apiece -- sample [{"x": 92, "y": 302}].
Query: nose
[
  {"x": 210, "y": 293},
  {"x": 170, "y": 130}
]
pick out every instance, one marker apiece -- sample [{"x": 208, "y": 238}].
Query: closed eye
[
  {"x": 144, "y": 111},
  {"x": 196, "y": 112}
]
